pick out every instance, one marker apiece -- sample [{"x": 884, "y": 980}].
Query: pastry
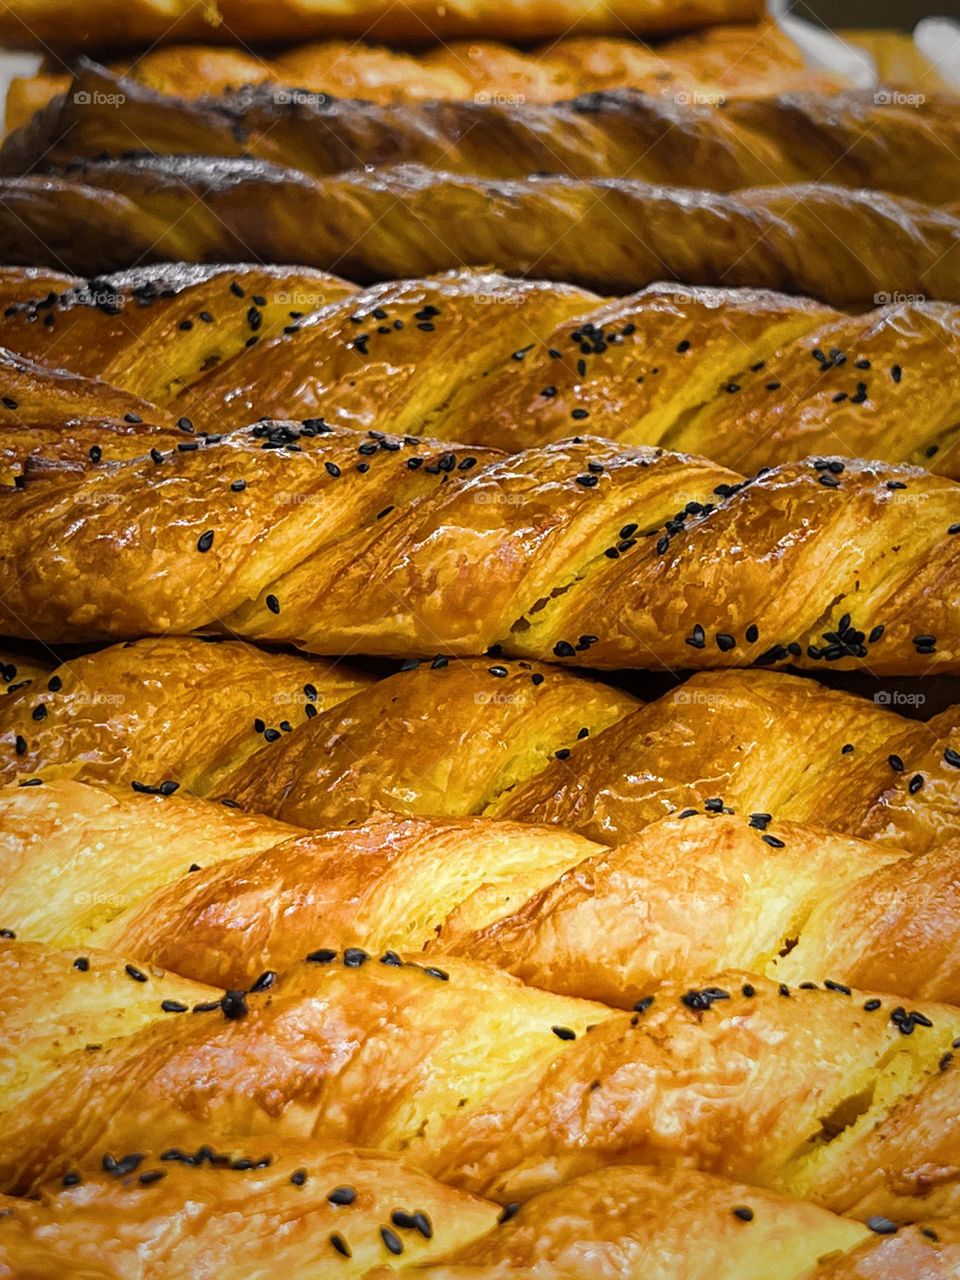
[
  {"x": 494, "y": 1087},
  {"x": 845, "y": 246},
  {"x": 714, "y": 62},
  {"x": 341, "y": 1208},
  {"x": 582, "y": 551},
  {"x": 849, "y": 140},
  {"x": 220, "y": 896},
  {"x": 36, "y": 24},
  {"x": 746, "y": 377}
]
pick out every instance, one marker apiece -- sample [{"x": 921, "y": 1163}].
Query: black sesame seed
[
  {"x": 743, "y": 1213},
  {"x": 173, "y": 1006},
  {"x": 322, "y": 956},
  {"x": 272, "y": 603},
  {"x": 341, "y": 1246},
  {"x": 136, "y": 974},
  {"x": 882, "y": 1226},
  {"x": 205, "y": 541},
  {"x": 390, "y": 1238},
  {"x": 564, "y": 1033}
]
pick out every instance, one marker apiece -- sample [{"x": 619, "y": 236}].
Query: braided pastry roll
[
  {"x": 163, "y": 713},
  {"x": 748, "y": 378},
  {"x": 848, "y": 140},
  {"x": 502, "y": 1089},
  {"x": 316, "y": 1209},
  {"x": 221, "y": 897},
  {"x": 338, "y": 541},
  {"x": 336, "y": 1208},
  {"x": 39, "y": 24},
  {"x": 408, "y": 221},
  {"x": 715, "y": 62},
  {"x": 419, "y": 743}
]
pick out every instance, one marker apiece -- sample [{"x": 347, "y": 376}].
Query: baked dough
[
  {"x": 583, "y": 551},
  {"x": 624, "y": 1218},
  {"x": 504, "y": 1090},
  {"x": 650, "y": 368},
  {"x": 845, "y": 246},
  {"x": 848, "y": 140},
  {"x": 732, "y": 61},
  {"x": 33, "y": 24}
]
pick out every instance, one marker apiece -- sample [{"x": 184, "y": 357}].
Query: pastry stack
[{"x": 480, "y": 615}]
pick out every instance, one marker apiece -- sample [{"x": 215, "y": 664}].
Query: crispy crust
[
  {"x": 650, "y": 368},
  {"x": 849, "y": 140},
  {"x": 338, "y": 544},
  {"x": 407, "y": 221},
  {"x": 41, "y": 23}
]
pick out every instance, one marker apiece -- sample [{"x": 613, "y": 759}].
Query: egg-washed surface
[{"x": 407, "y": 220}]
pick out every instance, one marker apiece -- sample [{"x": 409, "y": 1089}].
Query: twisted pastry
[
  {"x": 418, "y": 744},
  {"x": 221, "y": 897},
  {"x": 502, "y": 1089},
  {"x": 724, "y": 61},
  {"x": 17, "y": 668},
  {"x": 652, "y": 368},
  {"x": 719, "y": 1230},
  {"x": 314, "y": 1208},
  {"x": 850, "y": 140},
  {"x": 337, "y": 541},
  {"x": 408, "y": 221},
  {"x": 163, "y": 713},
  {"x": 38, "y": 24}
]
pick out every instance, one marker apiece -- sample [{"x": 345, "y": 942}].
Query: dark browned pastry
[
  {"x": 746, "y": 377},
  {"x": 339, "y": 541},
  {"x": 845, "y": 246},
  {"x": 38, "y": 24},
  {"x": 709, "y": 65},
  {"x": 849, "y": 140},
  {"x": 491, "y": 1086}
]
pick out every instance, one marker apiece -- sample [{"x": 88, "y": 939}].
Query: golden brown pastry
[
  {"x": 154, "y": 331},
  {"x": 221, "y": 897},
  {"x": 33, "y": 24},
  {"x": 418, "y": 745},
  {"x": 710, "y": 891},
  {"x": 848, "y": 140},
  {"x": 163, "y": 713},
  {"x": 504, "y": 728},
  {"x": 503, "y": 1090},
  {"x": 845, "y": 246},
  {"x": 17, "y": 668},
  {"x": 99, "y": 851},
  {"x": 728, "y": 61},
  {"x": 316, "y": 1209},
  {"x": 335, "y": 1210},
  {"x": 341, "y": 541},
  {"x": 651, "y": 368},
  {"x": 633, "y": 1222}
]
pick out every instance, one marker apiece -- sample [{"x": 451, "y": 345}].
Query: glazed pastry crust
[
  {"x": 732, "y": 61},
  {"x": 848, "y": 140},
  {"x": 622, "y": 1218},
  {"x": 407, "y": 221},
  {"x": 171, "y": 710},
  {"x": 35, "y": 24},
  {"x": 656, "y": 368},
  {"x": 338, "y": 542},
  {"x": 220, "y": 896},
  {"x": 474, "y": 1083}
]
